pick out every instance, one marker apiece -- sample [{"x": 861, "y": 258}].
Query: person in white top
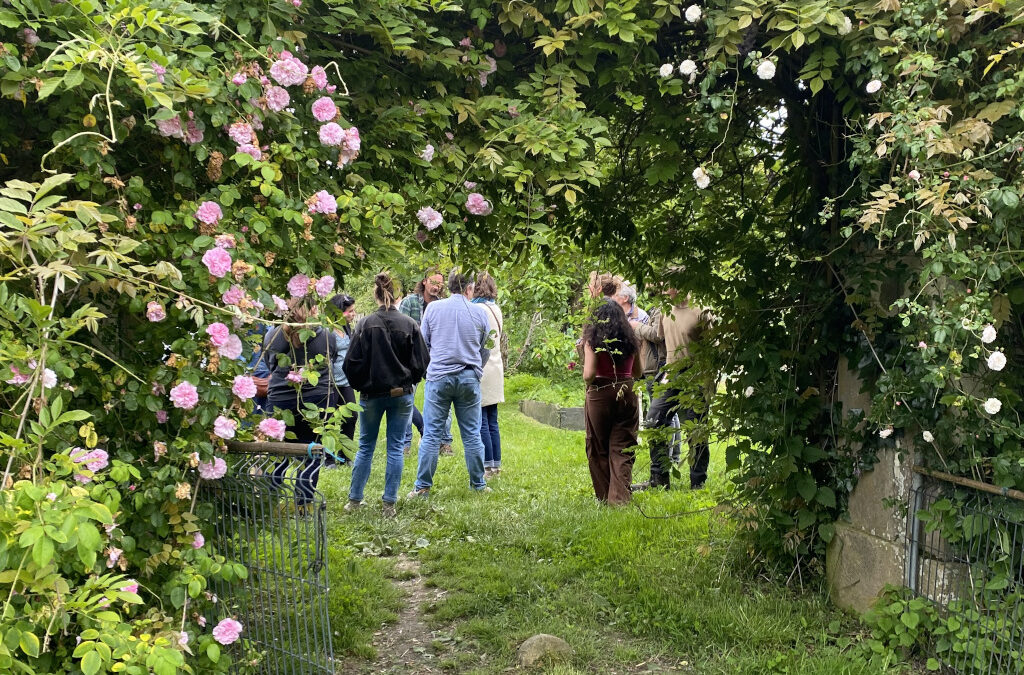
[{"x": 492, "y": 384}]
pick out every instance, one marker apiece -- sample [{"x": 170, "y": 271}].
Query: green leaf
[
  {"x": 29, "y": 644},
  {"x": 213, "y": 652},
  {"x": 92, "y": 663},
  {"x": 933, "y": 664},
  {"x": 806, "y": 487},
  {"x": 910, "y": 619},
  {"x": 49, "y": 86},
  {"x": 826, "y": 497},
  {"x": 73, "y": 79}
]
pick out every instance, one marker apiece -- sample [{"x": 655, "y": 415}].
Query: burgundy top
[{"x": 607, "y": 369}]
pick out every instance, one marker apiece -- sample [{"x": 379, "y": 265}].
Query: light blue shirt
[
  {"x": 456, "y": 333},
  {"x": 341, "y": 343}
]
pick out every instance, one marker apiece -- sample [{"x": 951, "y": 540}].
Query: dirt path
[{"x": 407, "y": 645}]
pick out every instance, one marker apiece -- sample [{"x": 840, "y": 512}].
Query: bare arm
[{"x": 589, "y": 363}]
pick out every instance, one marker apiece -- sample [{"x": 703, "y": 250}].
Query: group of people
[
  {"x": 446, "y": 341},
  {"x": 622, "y": 345}
]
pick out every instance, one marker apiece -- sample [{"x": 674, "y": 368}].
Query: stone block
[
  {"x": 543, "y": 648},
  {"x": 571, "y": 419},
  {"x": 544, "y": 413},
  {"x": 874, "y": 499},
  {"x": 858, "y": 566},
  {"x": 942, "y": 581}
]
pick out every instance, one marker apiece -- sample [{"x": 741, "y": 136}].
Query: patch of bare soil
[{"x": 407, "y": 645}]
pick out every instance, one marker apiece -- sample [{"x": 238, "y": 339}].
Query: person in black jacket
[{"x": 386, "y": 358}]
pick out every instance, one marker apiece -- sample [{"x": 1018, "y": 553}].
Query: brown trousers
[{"x": 612, "y": 420}]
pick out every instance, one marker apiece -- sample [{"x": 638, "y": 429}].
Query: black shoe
[{"x": 696, "y": 486}]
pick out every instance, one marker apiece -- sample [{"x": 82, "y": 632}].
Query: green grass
[
  {"x": 532, "y": 387},
  {"x": 539, "y": 555}
]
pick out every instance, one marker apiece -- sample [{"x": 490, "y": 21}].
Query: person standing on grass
[
  {"x": 342, "y": 339},
  {"x": 626, "y": 299},
  {"x": 680, "y": 329},
  {"x": 386, "y": 358},
  {"x": 492, "y": 384},
  {"x": 611, "y": 362},
  {"x": 428, "y": 289},
  {"x": 456, "y": 332},
  {"x": 290, "y": 358}
]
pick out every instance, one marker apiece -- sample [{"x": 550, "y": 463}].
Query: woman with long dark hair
[
  {"x": 385, "y": 360},
  {"x": 611, "y": 361}
]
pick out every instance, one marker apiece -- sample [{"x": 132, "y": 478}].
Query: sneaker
[
  {"x": 446, "y": 449},
  {"x": 388, "y": 510},
  {"x": 353, "y": 505},
  {"x": 485, "y": 490},
  {"x": 422, "y": 492}
]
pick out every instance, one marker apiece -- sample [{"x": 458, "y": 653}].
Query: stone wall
[{"x": 570, "y": 419}]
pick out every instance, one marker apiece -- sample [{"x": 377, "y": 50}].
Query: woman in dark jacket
[
  {"x": 291, "y": 361},
  {"x": 386, "y": 358}
]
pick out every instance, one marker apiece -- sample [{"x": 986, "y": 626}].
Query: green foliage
[{"x": 536, "y": 388}]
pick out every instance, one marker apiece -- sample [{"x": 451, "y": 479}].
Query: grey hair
[{"x": 628, "y": 292}]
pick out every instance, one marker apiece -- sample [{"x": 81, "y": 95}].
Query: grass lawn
[{"x": 629, "y": 593}]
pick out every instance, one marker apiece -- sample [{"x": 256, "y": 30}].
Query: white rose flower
[
  {"x": 766, "y": 70},
  {"x": 748, "y": 392},
  {"x": 688, "y": 67},
  {"x": 927, "y": 436},
  {"x": 666, "y": 70},
  {"x": 989, "y": 334},
  {"x": 873, "y": 86},
  {"x": 428, "y": 153},
  {"x": 701, "y": 177},
  {"x": 49, "y": 379},
  {"x": 693, "y": 13},
  {"x": 914, "y": 175},
  {"x": 846, "y": 26},
  {"x": 993, "y": 405},
  {"x": 885, "y": 433},
  {"x": 996, "y": 361}
]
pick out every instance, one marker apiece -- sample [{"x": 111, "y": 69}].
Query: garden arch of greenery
[{"x": 874, "y": 223}]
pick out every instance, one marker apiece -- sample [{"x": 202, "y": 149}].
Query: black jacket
[{"x": 387, "y": 351}]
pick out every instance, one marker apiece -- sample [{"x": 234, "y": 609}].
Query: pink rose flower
[
  {"x": 239, "y": 79},
  {"x": 466, "y": 42},
  {"x": 324, "y": 286},
  {"x": 430, "y": 218},
  {"x": 319, "y": 76},
  {"x": 332, "y": 135},
  {"x": 294, "y": 376},
  {"x": 227, "y": 631},
  {"x": 193, "y": 133},
  {"x": 113, "y": 555},
  {"x": 241, "y": 133},
  {"x": 477, "y": 205},
  {"x": 161, "y": 416},
  {"x": 325, "y": 203},
  {"x": 170, "y": 128},
  {"x": 232, "y": 348},
  {"x": 277, "y": 99},
  {"x": 93, "y": 460},
  {"x": 298, "y": 286},
  {"x": 217, "y": 261},
  {"x": 224, "y": 241},
  {"x": 273, "y": 428},
  {"x": 155, "y": 312},
  {"x": 250, "y": 150},
  {"x": 244, "y": 387},
  {"x": 225, "y": 427},
  {"x": 469, "y": 185},
  {"x": 184, "y": 395},
  {"x": 233, "y": 295},
  {"x": 349, "y": 146},
  {"x": 280, "y": 306},
  {"x": 131, "y": 587},
  {"x": 209, "y": 213},
  {"x": 324, "y": 109},
  {"x": 218, "y": 333},
  {"x": 213, "y": 470},
  {"x": 198, "y": 540},
  {"x": 289, "y": 71},
  {"x": 158, "y": 70}
]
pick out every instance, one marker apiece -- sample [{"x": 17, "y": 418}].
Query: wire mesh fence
[
  {"x": 965, "y": 556},
  {"x": 268, "y": 516}
]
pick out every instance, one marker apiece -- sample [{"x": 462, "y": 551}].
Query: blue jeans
[
  {"x": 462, "y": 390},
  {"x": 417, "y": 421},
  {"x": 491, "y": 437},
  {"x": 399, "y": 410}
]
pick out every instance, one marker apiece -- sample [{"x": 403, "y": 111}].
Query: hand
[{"x": 634, "y": 323}]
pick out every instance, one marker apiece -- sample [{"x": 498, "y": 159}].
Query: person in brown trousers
[{"x": 611, "y": 361}]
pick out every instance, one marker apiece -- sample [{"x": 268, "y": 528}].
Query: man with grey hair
[{"x": 626, "y": 299}]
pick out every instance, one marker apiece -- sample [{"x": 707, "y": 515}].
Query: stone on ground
[{"x": 543, "y": 647}]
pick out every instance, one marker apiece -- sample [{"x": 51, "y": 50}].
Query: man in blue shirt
[{"x": 457, "y": 334}]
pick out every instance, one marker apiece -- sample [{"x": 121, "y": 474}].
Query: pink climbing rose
[
  {"x": 161, "y": 416},
  {"x": 288, "y": 71},
  {"x": 349, "y": 146},
  {"x": 298, "y": 286},
  {"x": 232, "y": 347},
  {"x": 213, "y": 470},
  {"x": 273, "y": 428},
  {"x": 324, "y": 286},
  {"x": 277, "y": 99},
  {"x": 244, "y": 387},
  {"x": 170, "y": 128},
  {"x": 209, "y": 213},
  {"x": 218, "y": 333},
  {"x": 429, "y": 217},
  {"x": 238, "y": 79},
  {"x": 331, "y": 134},
  {"x": 324, "y": 202},
  {"x": 131, "y": 587},
  {"x": 280, "y": 306},
  {"x": 218, "y": 261},
  {"x": 319, "y": 76},
  {"x": 198, "y": 540},
  {"x": 155, "y": 312},
  {"x": 250, "y": 150},
  {"x": 477, "y": 205},
  {"x": 227, "y": 631},
  {"x": 324, "y": 109},
  {"x": 241, "y": 133},
  {"x": 184, "y": 395},
  {"x": 294, "y": 376},
  {"x": 233, "y": 295}
]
